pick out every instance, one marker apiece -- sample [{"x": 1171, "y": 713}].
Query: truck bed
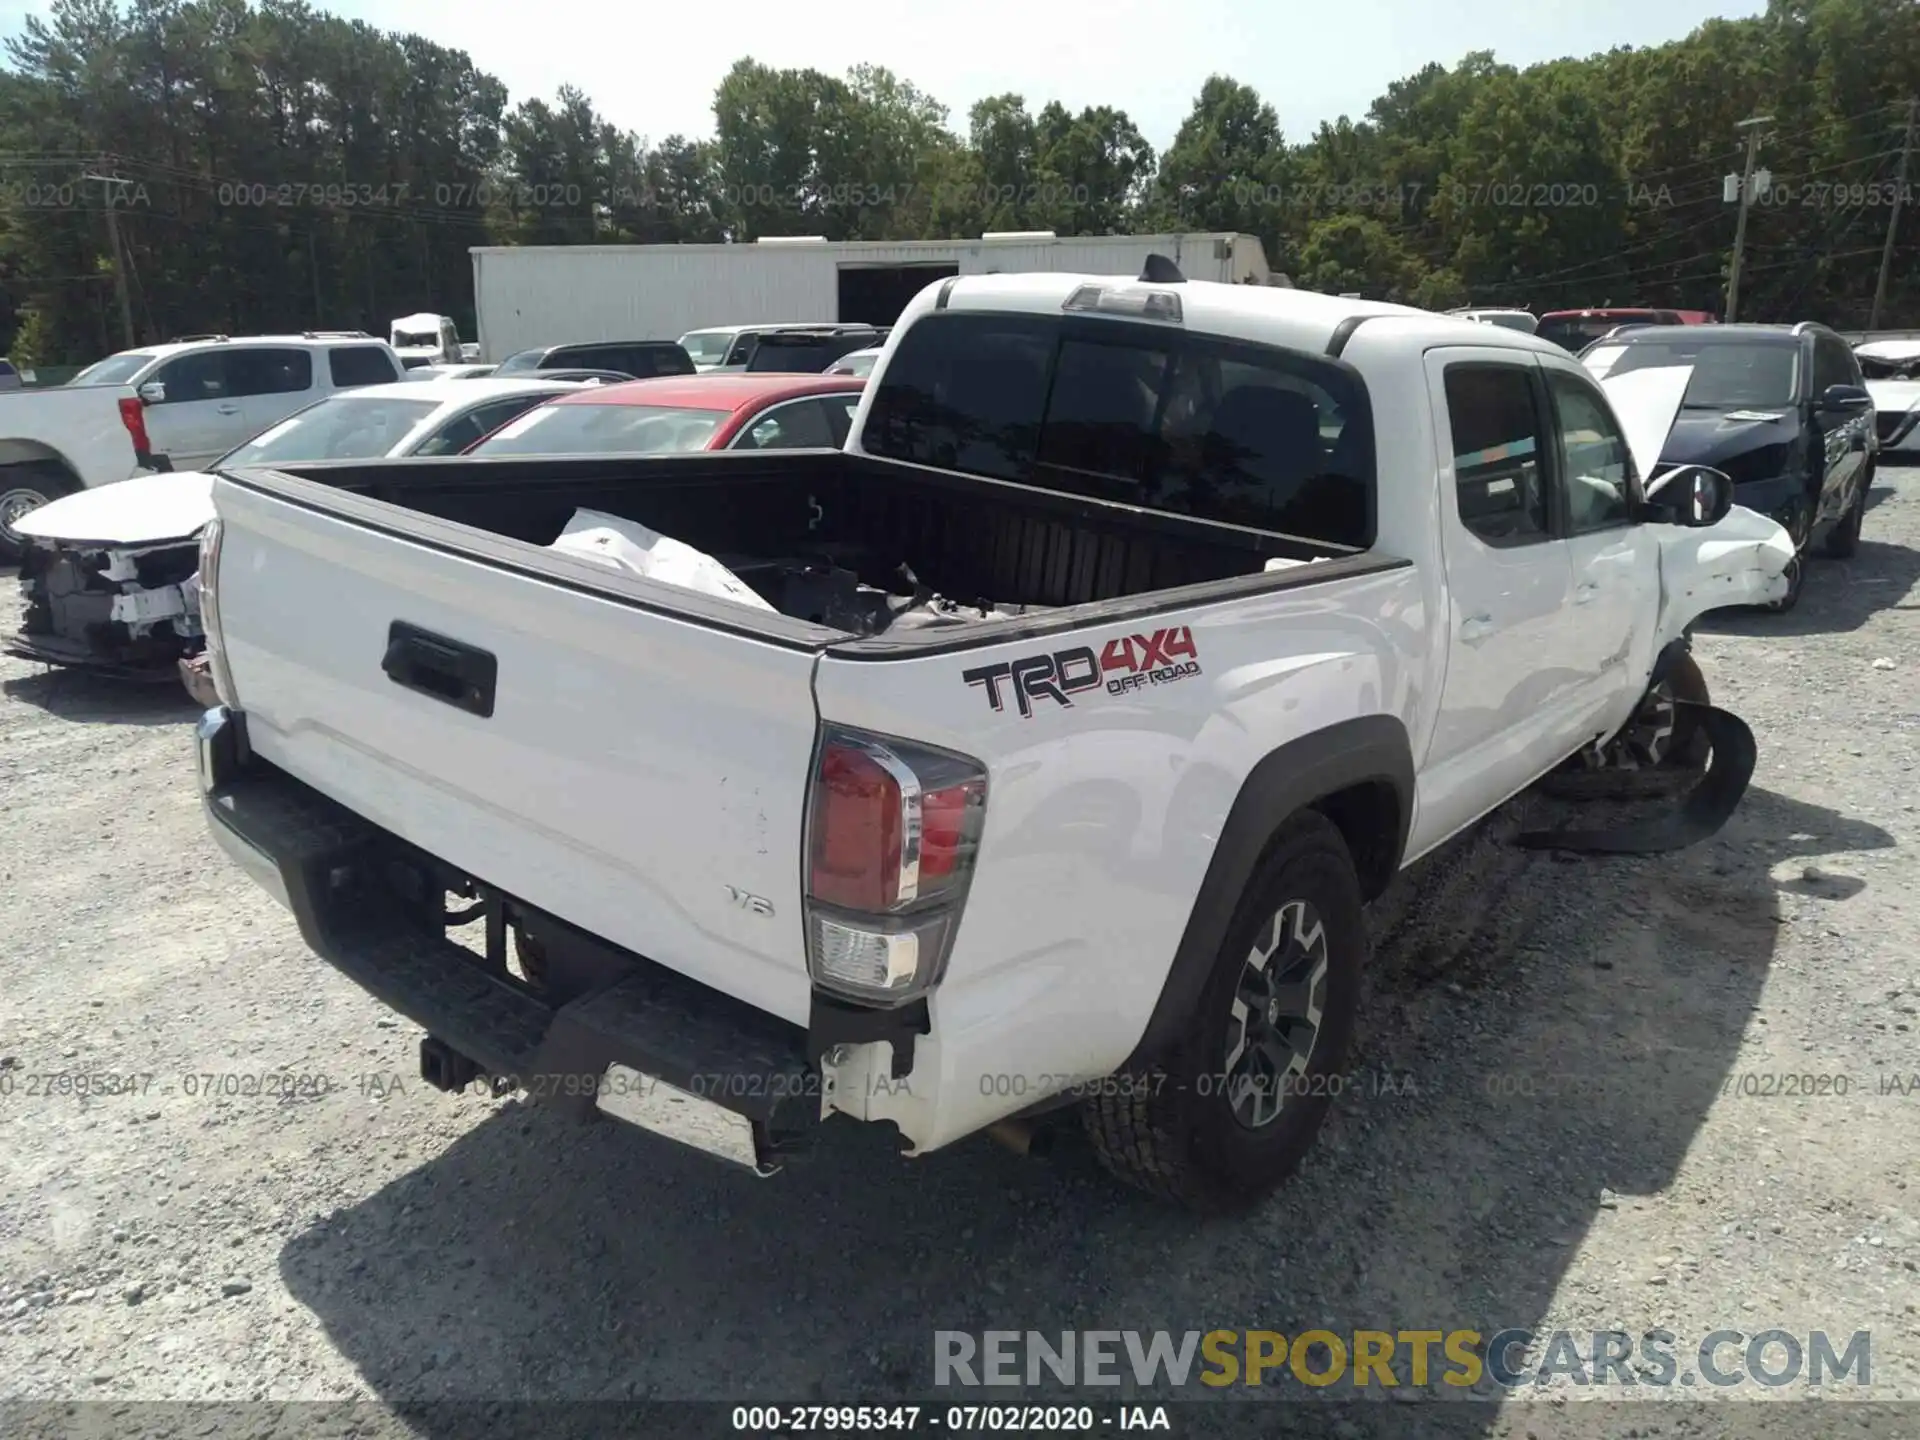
[{"x": 839, "y": 543}]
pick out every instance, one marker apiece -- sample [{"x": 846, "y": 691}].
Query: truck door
[
  {"x": 1615, "y": 559},
  {"x": 1509, "y": 687}
]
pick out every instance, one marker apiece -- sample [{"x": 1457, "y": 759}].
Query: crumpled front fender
[{"x": 1741, "y": 561}]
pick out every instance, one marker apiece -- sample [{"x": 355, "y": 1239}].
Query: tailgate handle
[{"x": 447, "y": 670}]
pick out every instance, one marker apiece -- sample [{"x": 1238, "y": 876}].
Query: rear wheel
[
  {"x": 1230, "y": 1113},
  {"x": 24, "y": 489}
]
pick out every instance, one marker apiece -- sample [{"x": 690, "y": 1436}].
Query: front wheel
[
  {"x": 1844, "y": 539},
  {"x": 1230, "y": 1113},
  {"x": 1799, "y": 529}
]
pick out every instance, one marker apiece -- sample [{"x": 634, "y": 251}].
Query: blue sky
[{"x": 653, "y": 68}]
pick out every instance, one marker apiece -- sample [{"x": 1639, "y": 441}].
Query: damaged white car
[
  {"x": 1892, "y": 371},
  {"x": 108, "y": 574}
]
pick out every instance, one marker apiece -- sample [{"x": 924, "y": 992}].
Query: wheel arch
[
  {"x": 1359, "y": 774},
  {"x": 18, "y": 451}
]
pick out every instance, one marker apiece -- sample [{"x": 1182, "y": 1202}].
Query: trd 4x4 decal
[{"x": 1123, "y": 665}]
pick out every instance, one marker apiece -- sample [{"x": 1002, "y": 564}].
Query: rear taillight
[
  {"x": 210, "y": 615},
  {"x": 892, "y": 833},
  {"x": 133, "y": 416}
]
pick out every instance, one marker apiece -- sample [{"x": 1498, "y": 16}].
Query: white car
[
  {"x": 1892, "y": 371},
  {"x": 106, "y": 573},
  {"x": 858, "y": 362},
  {"x": 1041, "y": 749},
  {"x": 206, "y": 394}
]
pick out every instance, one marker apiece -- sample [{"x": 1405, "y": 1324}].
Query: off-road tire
[
  {"x": 1171, "y": 1130},
  {"x": 1686, "y": 758},
  {"x": 1844, "y": 538}
]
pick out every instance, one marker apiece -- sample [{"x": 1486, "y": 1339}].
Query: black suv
[
  {"x": 1783, "y": 410},
  {"x": 641, "y": 359}
]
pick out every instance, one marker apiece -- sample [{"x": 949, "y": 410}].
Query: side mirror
[
  {"x": 154, "y": 392},
  {"x": 1845, "y": 400},
  {"x": 1693, "y": 495}
]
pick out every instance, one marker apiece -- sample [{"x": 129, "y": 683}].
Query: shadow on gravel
[
  {"x": 1542, "y": 1044},
  {"x": 102, "y": 699}
]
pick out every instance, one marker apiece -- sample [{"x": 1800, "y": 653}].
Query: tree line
[{"x": 268, "y": 166}]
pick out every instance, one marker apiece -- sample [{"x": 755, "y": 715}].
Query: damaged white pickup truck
[{"x": 1057, "y": 736}]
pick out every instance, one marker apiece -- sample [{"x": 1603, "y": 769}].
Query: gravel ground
[{"x": 1578, "y": 1126}]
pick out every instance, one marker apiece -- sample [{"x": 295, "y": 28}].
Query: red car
[
  {"x": 1576, "y": 329},
  {"x": 678, "y": 413}
]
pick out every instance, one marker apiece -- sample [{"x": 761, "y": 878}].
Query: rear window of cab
[{"x": 1145, "y": 414}]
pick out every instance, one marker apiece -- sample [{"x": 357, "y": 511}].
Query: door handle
[
  {"x": 1476, "y": 628},
  {"x": 227, "y": 407},
  {"x": 1584, "y": 594}
]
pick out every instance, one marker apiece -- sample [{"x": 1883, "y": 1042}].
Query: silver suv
[{"x": 205, "y": 394}]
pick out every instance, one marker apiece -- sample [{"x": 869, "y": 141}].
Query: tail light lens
[
  {"x": 210, "y": 614},
  {"x": 893, "y": 830},
  {"x": 133, "y": 416}
]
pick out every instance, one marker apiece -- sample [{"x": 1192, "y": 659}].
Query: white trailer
[{"x": 528, "y": 295}]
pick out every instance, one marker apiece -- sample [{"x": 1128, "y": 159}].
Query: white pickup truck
[
  {"x": 59, "y": 441},
  {"x": 1056, "y": 737}
]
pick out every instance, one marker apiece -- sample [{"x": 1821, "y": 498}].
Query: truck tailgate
[{"x": 639, "y": 775}]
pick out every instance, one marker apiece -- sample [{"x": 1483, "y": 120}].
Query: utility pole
[
  {"x": 1752, "y": 127},
  {"x": 119, "y": 256},
  {"x": 1893, "y": 217}
]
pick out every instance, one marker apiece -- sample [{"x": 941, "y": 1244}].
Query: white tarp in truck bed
[{"x": 633, "y": 547}]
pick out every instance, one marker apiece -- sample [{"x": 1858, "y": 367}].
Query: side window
[
  {"x": 1833, "y": 364},
  {"x": 1594, "y": 460},
  {"x": 354, "y": 365},
  {"x": 799, "y": 425},
  {"x": 454, "y": 436},
  {"x": 1498, "y": 482},
  {"x": 253, "y": 370},
  {"x": 198, "y": 375}
]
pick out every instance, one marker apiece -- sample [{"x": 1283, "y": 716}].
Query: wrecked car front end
[{"x": 132, "y": 611}]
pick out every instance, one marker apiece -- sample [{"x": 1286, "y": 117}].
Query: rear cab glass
[{"x": 1188, "y": 424}]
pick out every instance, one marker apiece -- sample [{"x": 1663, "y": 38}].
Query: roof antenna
[{"x": 1159, "y": 270}]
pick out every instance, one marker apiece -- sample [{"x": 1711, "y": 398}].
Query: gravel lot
[{"x": 386, "y": 1242}]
